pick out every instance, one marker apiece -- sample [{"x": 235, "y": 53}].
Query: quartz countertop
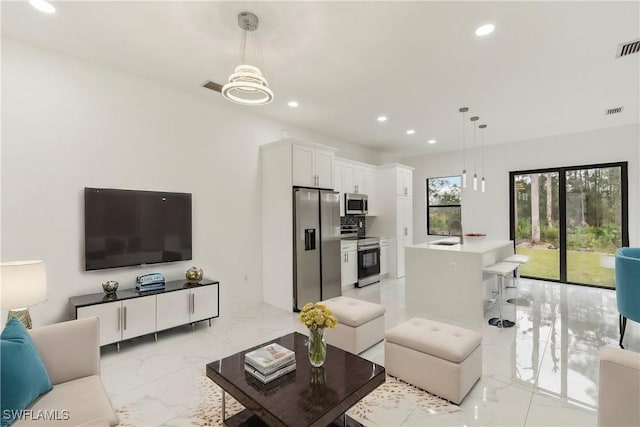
[{"x": 473, "y": 246}]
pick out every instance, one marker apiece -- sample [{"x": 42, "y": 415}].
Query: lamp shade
[{"x": 22, "y": 284}]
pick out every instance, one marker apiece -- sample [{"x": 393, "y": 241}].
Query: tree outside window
[{"x": 444, "y": 196}]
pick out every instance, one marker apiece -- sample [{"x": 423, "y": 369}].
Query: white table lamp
[{"x": 22, "y": 284}]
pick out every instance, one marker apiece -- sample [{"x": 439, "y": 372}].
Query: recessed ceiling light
[
  {"x": 483, "y": 30},
  {"x": 42, "y": 6},
  {"x": 411, "y": 132},
  {"x": 293, "y": 104},
  {"x": 432, "y": 141},
  {"x": 382, "y": 118}
]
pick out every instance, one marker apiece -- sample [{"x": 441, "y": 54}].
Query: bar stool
[
  {"x": 520, "y": 260},
  {"x": 501, "y": 269}
]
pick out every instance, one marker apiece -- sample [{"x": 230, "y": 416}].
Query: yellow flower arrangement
[{"x": 317, "y": 315}]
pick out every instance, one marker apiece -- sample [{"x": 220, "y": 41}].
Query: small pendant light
[
  {"x": 464, "y": 154},
  {"x": 482, "y": 183},
  {"x": 475, "y": 156}
]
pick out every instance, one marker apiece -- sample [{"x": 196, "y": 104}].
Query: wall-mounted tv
[{"x": 129, "y": 227}]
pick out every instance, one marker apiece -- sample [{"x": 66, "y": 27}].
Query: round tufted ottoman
[
  {"x": 360, "y": 324},
  {"x": 442, "y": 359}
]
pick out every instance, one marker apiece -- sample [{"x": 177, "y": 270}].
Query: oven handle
[{"x": 368, "y": 247}]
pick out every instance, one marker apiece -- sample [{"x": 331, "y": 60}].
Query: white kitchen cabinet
[
  {"x": 400, "y": 252},
  {"x": 284, "y": 164},
  {"x": 370, "y": 189},
  {"x": 138, "y": 317},
  {"x": 349, "y": 266},
  {"x": 110, "y": 315},
  {"x": 384, "y": 256},
  {"x": 394, "y": 212},
  {"x": 338, "y": 172},
  {"x": 404, "y": 182},
  {"x": 355, "y": 177},
  {"x": 404, "y": 216},
  {"x": 312, "y": 167}
]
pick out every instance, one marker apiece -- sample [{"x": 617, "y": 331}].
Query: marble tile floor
[{"x": 543, "y": 372}]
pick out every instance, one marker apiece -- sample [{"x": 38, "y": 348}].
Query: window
[
  {"x": 444, "y": 196},
  {"x": 570, "y": 220}
]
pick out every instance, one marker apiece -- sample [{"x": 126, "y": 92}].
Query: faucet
[{"x": 453, "y": 221}]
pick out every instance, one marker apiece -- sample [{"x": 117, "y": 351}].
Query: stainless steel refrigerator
[{"x": 316, "y": 246}]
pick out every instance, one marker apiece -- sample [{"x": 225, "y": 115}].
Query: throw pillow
[{"x": 23, "y": 376}]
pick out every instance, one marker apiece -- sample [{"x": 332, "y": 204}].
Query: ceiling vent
[
  {"x": 611, "y": 111},
  {"x": 628, "y": 48}
]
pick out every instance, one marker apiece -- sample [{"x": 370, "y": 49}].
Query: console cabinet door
[
  {"x": 110, "y": 320},
  {"x": 204, "y": 302},
  {"x": 138, "y": 316},
  {"x": 173, "y": 309}
]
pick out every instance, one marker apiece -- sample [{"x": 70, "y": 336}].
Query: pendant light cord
[{"x": 464, "y": 146}]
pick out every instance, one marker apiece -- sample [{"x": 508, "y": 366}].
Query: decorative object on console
[
  {"x": 247, "y": 85},
  {"x": 150, "y": 282},
  {"x": 110, "y": 287},
  {"x": 22, "y": 284},
  {"x": 194, "y": 275},
  {"x": 316, "y": 317}
]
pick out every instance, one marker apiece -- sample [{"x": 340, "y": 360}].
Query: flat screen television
[{"x": 130, "y": 227}]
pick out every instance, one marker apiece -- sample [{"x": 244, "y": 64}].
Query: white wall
[
  {"x": 489, "y": 212},
  {"x": 68, "y": 124}
]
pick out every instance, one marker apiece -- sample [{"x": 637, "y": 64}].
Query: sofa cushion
[
  {"x": 23, "y": 376},
  {"x": 354, "y": 312},
  {"x": 77, "y": 402}
]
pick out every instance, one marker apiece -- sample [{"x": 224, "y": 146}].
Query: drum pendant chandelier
[{"x": 247, "y": 85}]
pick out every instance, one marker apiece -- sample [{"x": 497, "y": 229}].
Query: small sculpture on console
[{"x": 194, "y": 275}]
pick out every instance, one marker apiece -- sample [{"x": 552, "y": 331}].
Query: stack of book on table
[{"x": 269, "y": 362}]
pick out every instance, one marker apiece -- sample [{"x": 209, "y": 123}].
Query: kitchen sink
[{"x": 445, "y": 243}]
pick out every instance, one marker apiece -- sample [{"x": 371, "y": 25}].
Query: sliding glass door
[{"x": 570, "y": 221}]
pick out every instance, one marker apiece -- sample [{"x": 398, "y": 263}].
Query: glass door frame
[{"x": 562, "y": 211}]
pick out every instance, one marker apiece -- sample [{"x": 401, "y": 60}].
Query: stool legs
[{"x": 501, "y": 322}]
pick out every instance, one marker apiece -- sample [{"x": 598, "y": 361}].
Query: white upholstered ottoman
[
  {"x": 360, "y": 324},
  {"x": 443, "y": 359}
]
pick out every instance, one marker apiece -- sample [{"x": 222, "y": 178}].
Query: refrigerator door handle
[{"x": 310, "y": 239}]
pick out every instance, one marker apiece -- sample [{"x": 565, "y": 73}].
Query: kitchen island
[{"x": 444, "y": 278}]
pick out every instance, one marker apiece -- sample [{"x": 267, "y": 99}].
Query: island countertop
[{"x": 472, "y": 246}]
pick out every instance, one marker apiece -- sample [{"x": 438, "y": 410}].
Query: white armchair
[
  {"x": 619, "y": 389},
  {"x": 71, "y": 353}
]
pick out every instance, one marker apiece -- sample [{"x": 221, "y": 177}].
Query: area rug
[{"x": 390, "y": 396}]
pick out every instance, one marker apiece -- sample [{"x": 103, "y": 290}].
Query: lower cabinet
[
  {"x": 384, "y": 256},
  {"x": 349, "y": 269},
  {"x": 132, "y": 314},
  {"x": 186, "y": 306}
]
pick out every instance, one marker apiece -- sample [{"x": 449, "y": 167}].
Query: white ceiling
[{"x": 548, "y": 69}]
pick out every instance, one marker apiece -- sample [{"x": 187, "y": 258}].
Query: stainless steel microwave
[{"x": 355, "y": 204}]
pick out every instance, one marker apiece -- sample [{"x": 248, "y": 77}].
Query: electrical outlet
[{"x": 452, "y": 266}]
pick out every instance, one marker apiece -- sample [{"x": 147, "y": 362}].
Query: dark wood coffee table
[{"x": 307, "y": 397}]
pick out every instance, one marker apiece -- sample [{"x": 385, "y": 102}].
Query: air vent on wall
[
  {"x": 610, "y": 111},
  {"x": 628, "y": 48}
]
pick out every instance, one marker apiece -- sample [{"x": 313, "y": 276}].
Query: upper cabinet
[
  {"x": 355, "y": 178},
  {"x": 312, "y": 166},
  {"x": 404, "y": 182}
]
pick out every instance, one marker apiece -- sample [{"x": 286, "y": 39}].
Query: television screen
[{"x": 128, "y": 227}]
